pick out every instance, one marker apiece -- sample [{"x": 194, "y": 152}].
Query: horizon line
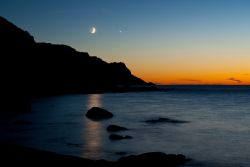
[{"x": 158, "y": 84}]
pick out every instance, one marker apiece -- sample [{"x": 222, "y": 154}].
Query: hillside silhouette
[
  {"x": 52, "y": 68},
  {"x": 30, "y": 68}
]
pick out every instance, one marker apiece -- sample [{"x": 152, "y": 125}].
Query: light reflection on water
[
  {"x": 92, "y": 139},
  {"x": 92, "y": 134},
  {"x": 94, "y": 100}
]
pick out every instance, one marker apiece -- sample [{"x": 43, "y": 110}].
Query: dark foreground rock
[
  {"x": 119, "y": 137},
  {"x": 165, "y": 120},
  {"x": 115, "y": 128},
  {"x": 12, "y": 155},
  {"x": 97, "y": 113}
]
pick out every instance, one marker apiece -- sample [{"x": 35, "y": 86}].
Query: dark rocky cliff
[
  {"x": 48, "y": 68},
  {"x": 29, "y": 68}
]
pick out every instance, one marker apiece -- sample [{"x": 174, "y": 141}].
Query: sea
[{"x": 215, "y": 131}]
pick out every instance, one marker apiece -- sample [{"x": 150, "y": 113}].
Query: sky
[{"x": 162, "y": 41}]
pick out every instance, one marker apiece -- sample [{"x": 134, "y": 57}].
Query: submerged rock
[
  {"x": 73, "y": 144},
  {"x": 97, "y": 113},
  {"x": 166, "y": 120},
  {"x": 115, "y": 128},
  {"x": 119, "y": 137},
  {"x": 154, "y": 158}
]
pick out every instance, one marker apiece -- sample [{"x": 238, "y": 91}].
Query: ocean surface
[{"x": 217, "y": 133}]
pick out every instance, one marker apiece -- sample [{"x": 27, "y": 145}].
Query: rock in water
[
  {"x": 165, "y": 120},
  {"x": 115, "y": 128},
  {"x": 119, "y": 137},
  {"x": 97, "y": 113}
]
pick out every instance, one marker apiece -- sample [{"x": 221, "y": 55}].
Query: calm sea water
[{"x": 218, "y": 132}]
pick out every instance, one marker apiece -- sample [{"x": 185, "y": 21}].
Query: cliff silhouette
[
  {"x": 48, "y": 68},
  {"x": 30, "y": 68}
]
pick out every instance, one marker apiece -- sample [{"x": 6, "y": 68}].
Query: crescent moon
[{"x": 93, "y": 30}]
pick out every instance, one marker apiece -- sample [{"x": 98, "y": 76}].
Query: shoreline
[{"x": 12, "y": 154}]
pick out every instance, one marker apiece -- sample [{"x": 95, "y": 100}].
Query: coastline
[{"x": 14, "y": 154}]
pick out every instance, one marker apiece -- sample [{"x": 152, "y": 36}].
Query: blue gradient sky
[{"x": 164, "y": 41}]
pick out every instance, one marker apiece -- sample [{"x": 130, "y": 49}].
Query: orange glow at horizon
[
  {"x": 210, "y": 79},
  {"x": 188, "y": 61},
  {"x": 228, "y": 72}
]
